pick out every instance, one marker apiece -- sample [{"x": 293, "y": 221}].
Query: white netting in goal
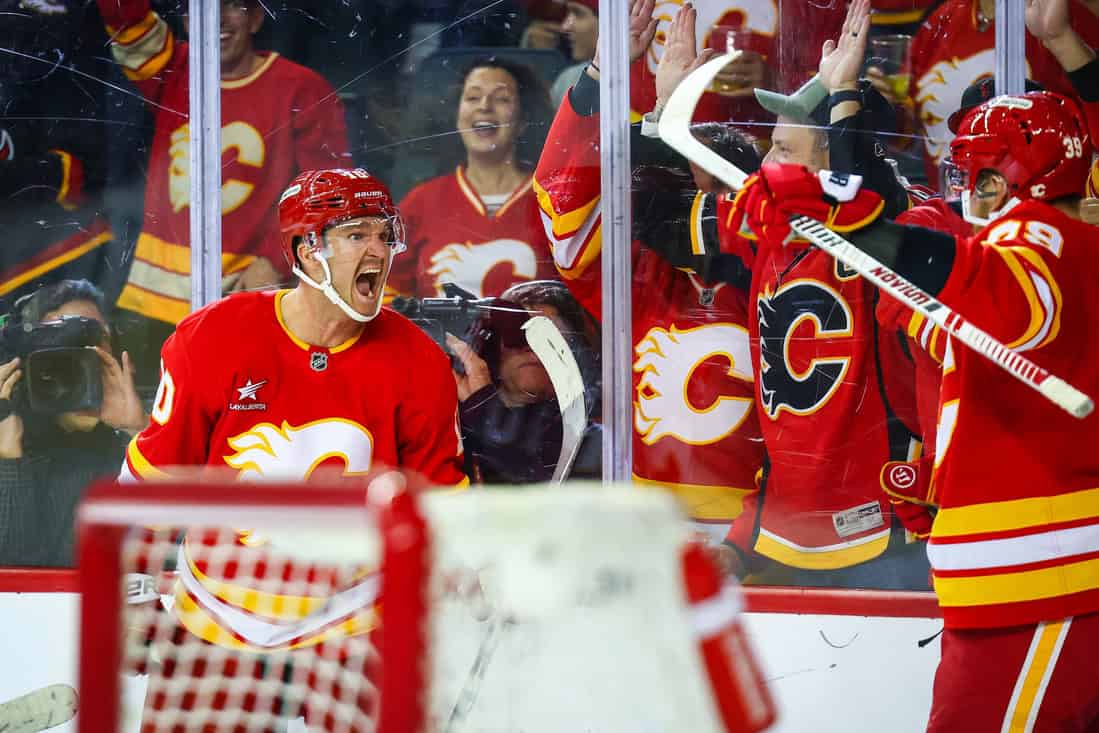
[{"x": 543, "y": 610}]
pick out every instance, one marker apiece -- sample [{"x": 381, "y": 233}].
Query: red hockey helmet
[
  {"x": 1037, "y": 141},
  {"x": 315, "y": 200}
]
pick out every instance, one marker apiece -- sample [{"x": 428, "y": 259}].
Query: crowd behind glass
[{"x": 450, "y": 102}]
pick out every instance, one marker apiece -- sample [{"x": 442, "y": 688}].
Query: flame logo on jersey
[
  {"x": 179, "y": 168},
  {"x": 759, "y": 16},
  {"x": 469, "y": 264},
  {"x": 938, "y": 95},
  {"x": 240, "y": 140},
  {"x": 289, "y": 453},
  {"x": 667, "y": 361},
  {"x": 783, "y": 386}
]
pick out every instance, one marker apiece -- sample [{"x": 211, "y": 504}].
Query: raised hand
[
  {"x": 642, "y": 31},
  {"x": 642, "y": 27},
  {"x": 841, "y": 60},
  {"x": 1047, "y": 19},
  {"x": 680, "y": 54}
]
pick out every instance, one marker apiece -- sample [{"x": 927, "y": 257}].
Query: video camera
[
  {"x": 477, "y": 321},
  {"x": 61, "y": 373}
]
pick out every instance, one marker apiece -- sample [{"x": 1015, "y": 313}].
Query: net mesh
[
  {"x": 237, "y": 634},
  {"x": 546, "y": 611}
]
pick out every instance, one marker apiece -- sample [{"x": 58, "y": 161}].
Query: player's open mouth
[{"x": 367, "y": 281}]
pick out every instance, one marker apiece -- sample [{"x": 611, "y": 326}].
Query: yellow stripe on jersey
[
  {"x": 141, "y": 466},
  {"x": 845, "y": 555},
  {"x": 588, "y": 252},
  {"x": 1017, "y": 587},
  {"x": 1001, "y": 516},
  {"x": 1045, "y": 308},
  {"x": 127, "y": 36},
  {"x": 52, "y": 264},
  {"x": 702, "y": 501},
  {"x": 199, "y": 622},
  {"x": 1041, "y": 659},
  {"x": 698, "y": 247},
  {"x": 144, "y": 49},
  {"x": 567, "y": 223}
]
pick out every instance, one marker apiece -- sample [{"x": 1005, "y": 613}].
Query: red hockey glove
[
  {"x": 908, "y": 485},
  {"x": 781, "y": 191}
]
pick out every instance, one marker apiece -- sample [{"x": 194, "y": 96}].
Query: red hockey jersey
[
  {"x": 231, "y": 396},
  {"x": 1016, "y": 540},
  {"x": 827, "y": 426},
  {"x": 232, "y": 381},
  {"x": 950, "y": 52},
  {"x": 695, "y": 430},
  {"x": 277, "y": 121},
  {"x": 452, "y": 237}
]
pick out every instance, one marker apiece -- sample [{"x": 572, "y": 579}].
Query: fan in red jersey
[
  {"x": 1013, "y": 547},
  {"x": 955, "y": 47},
  {"x": 278, "y": 118},
  {"x": 823, "y": 368},
  {"x": 478, "y": 227},
  {"x": 695, "y": 429},
  {"x": 278, "y": 385}
]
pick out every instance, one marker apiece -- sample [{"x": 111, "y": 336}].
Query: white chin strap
[
  {"x": 983, "y": 221},
  {"x": 330, "y": 292}
]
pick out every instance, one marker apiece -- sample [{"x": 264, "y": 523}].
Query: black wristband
[
  {"x": 1085, "y": 81},
  {"x": 845, "y": 95},
  {"x": 592, "y": 64}
]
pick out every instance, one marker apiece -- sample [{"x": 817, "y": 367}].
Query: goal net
[{"x": 240, "y": 607}]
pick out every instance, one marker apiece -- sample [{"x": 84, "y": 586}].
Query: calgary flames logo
[
  {"x": 667, "y": 361},
  {"x": 469, "y": 264},
  {"x": 290, "y": 453},
  {"x": 245, "y": 145},
  {"x": 753, "y": 15}
]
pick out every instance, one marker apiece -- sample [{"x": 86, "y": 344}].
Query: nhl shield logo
[{"x": 318, "y": 361}]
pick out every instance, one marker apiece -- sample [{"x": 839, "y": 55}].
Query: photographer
[
  {"x": 511, "y": 421},
  {"x": 48, "y": 458}
]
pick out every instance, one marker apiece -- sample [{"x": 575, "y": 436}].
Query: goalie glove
[
  {"x": 908, "y": 485},
  {"x": 780, "y": 191}
]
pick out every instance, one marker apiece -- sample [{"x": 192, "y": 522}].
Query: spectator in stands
[
  {"x": 54, "y": 143},
  {"x": 511, "y": 421},
  {"x": 478, "y": 226},
  {"x": 955, "y": 46},
  {"x": 46, "y": 461},
  {"x": 581, "y": 27},
  {"x": 277, "y": 118}
]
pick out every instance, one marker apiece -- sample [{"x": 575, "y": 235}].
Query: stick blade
[
  {"x": 675, "y": 122},
  {"x": 39, "y": 710},
  {"x": 556, "y": 356}
]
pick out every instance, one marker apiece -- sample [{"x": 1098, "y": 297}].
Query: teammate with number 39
[{"x": 1015, "y": 546}]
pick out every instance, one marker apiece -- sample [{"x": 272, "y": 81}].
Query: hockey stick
[
  {"x": 551, "y": 349},
  {"x": 675, "y": 130},
  {"x": 38, "y": 710}
]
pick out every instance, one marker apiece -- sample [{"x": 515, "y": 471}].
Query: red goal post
[{"x": 549, "y": 609}]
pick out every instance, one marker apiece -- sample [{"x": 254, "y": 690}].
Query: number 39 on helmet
[{"x": 1038, "y": 142}]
